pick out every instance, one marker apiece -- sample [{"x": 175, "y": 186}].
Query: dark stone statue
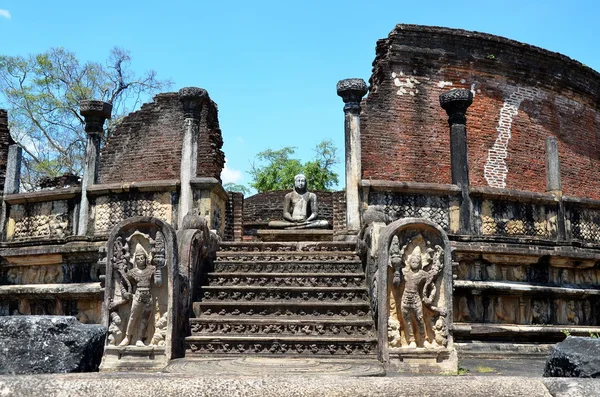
[{"x": 300, "y": 209}]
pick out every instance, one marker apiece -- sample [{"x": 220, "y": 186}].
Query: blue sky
[{"x": 272, "y": 66}]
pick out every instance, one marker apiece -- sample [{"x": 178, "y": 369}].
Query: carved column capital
[
  {"x": 192, "y": 99},
  {"x": 455, "y": 103},
  {"x": 351, "y": 91},
  {"x": 94, "y": 113}
]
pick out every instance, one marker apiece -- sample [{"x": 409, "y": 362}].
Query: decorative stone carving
[
  {"x": 300, "y": 209},
  {"x": 417, "y": 286},
  {"x": 140, "y": 292},
  {"x": 41, "y": 220},
  {"x": 415, "y": 297},
  {"x": 110, "y": 210}
]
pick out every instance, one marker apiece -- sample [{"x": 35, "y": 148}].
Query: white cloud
[
  {"x": 230, "y": 175},
  {"x": 5, "y": 14}
]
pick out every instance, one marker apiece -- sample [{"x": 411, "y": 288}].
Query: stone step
[
  {"x": 261, "y": 266},
  {"x": 358, "y": 310},
  {"x": 288, "y": 279},
  {"x": 280, "y": 345},
  {"x": 338, "y": 326},
  {"x": 302, "y": 246},
  {"x": 287, "y": 294}
]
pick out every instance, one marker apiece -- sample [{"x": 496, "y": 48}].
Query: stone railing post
[
  {"x": 352, "y": 91},
  {"x": 554, "y": 184},
  {"x": 192, "y": 99},
  {"x": 95, "y": 114},
  {"x": 455, "y": 103}
]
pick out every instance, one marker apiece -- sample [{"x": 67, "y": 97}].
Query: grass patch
[
  {"x": 484, "y": 370},
  {"x": 462, "y": 371}
]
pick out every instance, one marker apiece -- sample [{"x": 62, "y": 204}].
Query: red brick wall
[
  {"x": 406, "y": 137},
  {"x": 146, "y": 145}
]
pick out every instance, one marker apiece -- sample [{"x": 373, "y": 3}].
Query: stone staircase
[{"x": 294, "y": 299}]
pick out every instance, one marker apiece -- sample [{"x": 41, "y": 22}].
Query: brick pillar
[
  {"x": 192, "y": 99},
  {"x": 352, "y": 91},
  {"x": 456, "y": 103},
  {"x": 95, "y": 114}
]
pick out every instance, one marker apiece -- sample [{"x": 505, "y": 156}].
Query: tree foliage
[
  {"x": 236, "y": 187},
  {"x": 279, "y": 168},
  {"x": 42, "y": 94}
]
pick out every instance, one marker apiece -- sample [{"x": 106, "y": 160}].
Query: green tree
[
  {"x": 278, "y": 168},
  {"x": 236, "y": 187},
  {"x": 42, "y": 93}
]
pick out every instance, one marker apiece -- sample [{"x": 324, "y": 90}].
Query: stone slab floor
[{"x": 304, "y": 377}]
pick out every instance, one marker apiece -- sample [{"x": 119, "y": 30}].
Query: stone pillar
[
  {"x": 94, "y": 113},
  {"x": 352, "y": 91},
  {"x": 455, "y": 103},
  {"x": 553, "y": 181},
  {"x": 12, "y": 180},
  {"x": 192, "y": 99},
  {"x": 554, "y": 184}
]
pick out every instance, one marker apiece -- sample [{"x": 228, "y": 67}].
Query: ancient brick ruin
[{"x": 471, "y": 214}]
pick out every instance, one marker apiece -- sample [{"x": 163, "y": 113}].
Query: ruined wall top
[
  {"x": 146, "y": 145},
  {"x": 5, "y": 141},
  {"x": 521, "y": 95}
]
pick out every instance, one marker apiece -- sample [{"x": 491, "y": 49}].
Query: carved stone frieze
[
  {"x": 585, "y": 224},
  {"x": 270, "y": 294},
  {"x": 273, "y": 328},
  {"x": 268, "y": 309},
  {"x": 507, "y": 218},
  {"x": 397, "y": 206},
  {"x": 287, "y": 267},
  {"x": 110, "y": 210},
  {"x": 39, "y": 220},
  {"x": 304, "y": 348},
  {"x": 293, "y": 281}
]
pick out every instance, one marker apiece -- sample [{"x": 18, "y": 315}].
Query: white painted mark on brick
[
  {"x": 495, "y": 170},
  {"x": 405, "y": 85},
  {"x": 443, "y": 84}
]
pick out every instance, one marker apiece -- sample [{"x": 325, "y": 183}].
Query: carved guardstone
[
  {"x": 141, "y": 298},
  {"x": 415, "y": 298}
]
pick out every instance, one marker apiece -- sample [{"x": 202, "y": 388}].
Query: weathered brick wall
[
  {"x": 339, "y": 211},
  {"x": 5, "y": 142},
  {"x": 265, "y": 207},
  {"x": 523, "y": 94},
  {"x": 233, "y": 216},
  {"x": 146, "y": 145}
]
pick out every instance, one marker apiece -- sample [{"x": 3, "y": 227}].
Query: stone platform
[{"x": 133, "y": 384}]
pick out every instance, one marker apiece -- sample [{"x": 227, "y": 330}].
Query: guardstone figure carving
[
  {"x": 414, "y": 298},
  {"x": 141, "y": 294},
  {"x": 300, "y": 209},
  {"x": 416, "y": 267},
  {"x": 136, "y": 277}
]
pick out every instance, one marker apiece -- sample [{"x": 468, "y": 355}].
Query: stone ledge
[
  {"x": 523, "y": 287},
  {"x": 166, "y": 185},
  {"x": 410, "y": 187},
  {"x": 513, "y": 195},
  {"x": 504, "y": 329},
  {"x": 525, "y": 249},
  {"x": 52, "y": 291},
  {"x": 43, "y": 196}
]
